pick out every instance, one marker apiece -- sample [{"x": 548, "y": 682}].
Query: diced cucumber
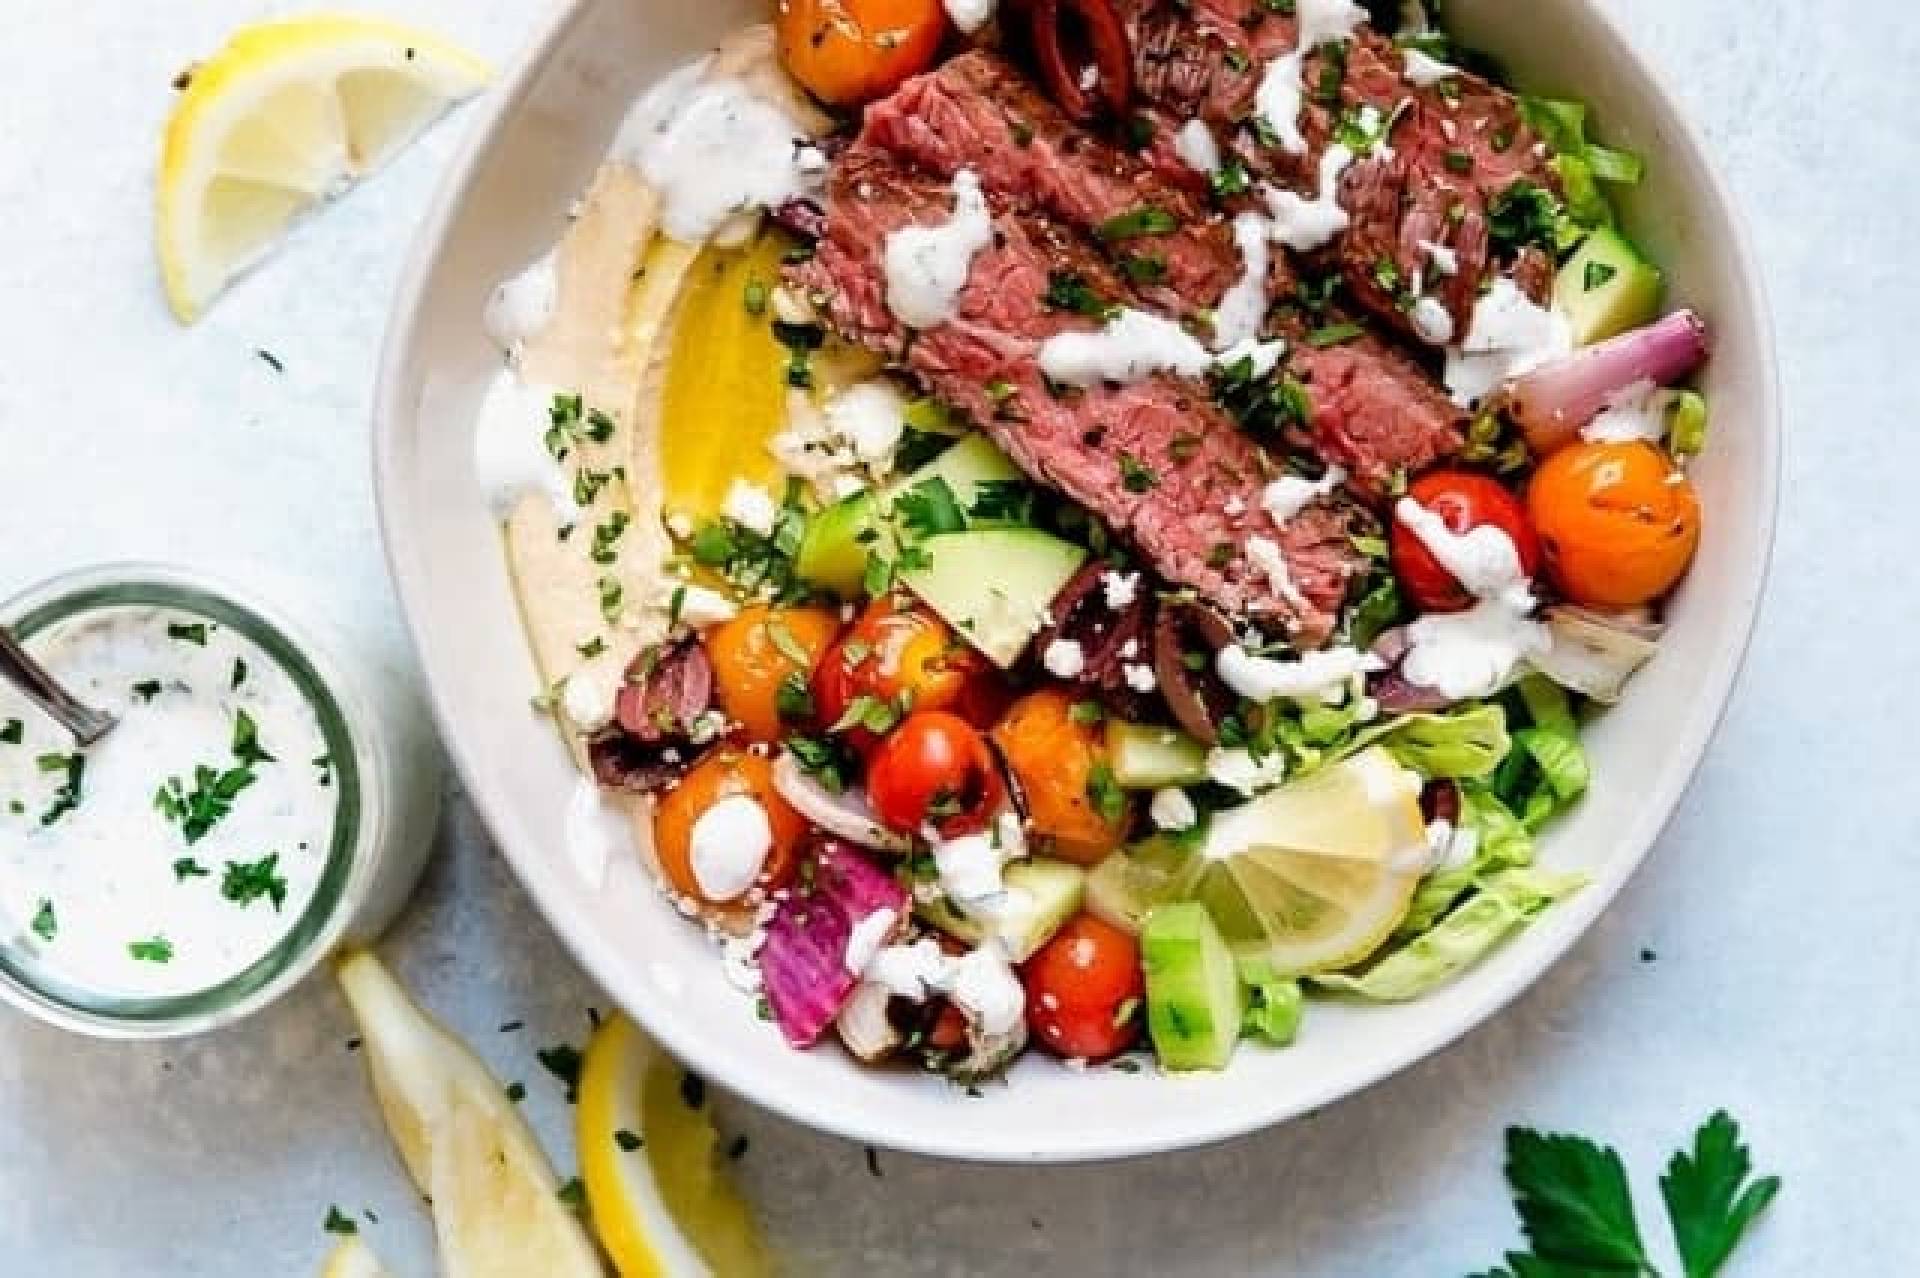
[
  {"x": 1193, "y": 989},
  {"x": 1042, "y": 894},
  {"x": 833, "y": 551},
  {"x": 1606, "y": 287},
  {"x": 994, "y": 585},
  {"x": 1126, "y": 887},
  {"x": 1146, "y": 757}
]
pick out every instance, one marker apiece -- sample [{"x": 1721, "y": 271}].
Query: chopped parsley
[
  {"x": 516, "y": 1092},
  {"x": 875, "y": 714},
  {"x": 1262, "y": 405},
  {"x": 338, "y": 1222},
  {"x": 1070, "y": 291},
  {"x": 1108, "y": 799},
  {"x": 588, "y": 484},
  {"x": 1334, "y": 334},
  {"x": 1002, "y": 500},
  {"x": 157, "y": 949},
  {"x": 67, "y": 796},
  {"x": 929, "y": 508},
  {"x": 612, "y": 596},
  {"x": 1086, "y": 713},
  {"x": 591, "y": 648},
  {"x": 572, "y": 1195},
  {"x": 755, "y": 297},
  {"x": 1524, "y": 214},
  {"x": 13, "y": 732},
  {"x": 246, "y": 741},
  {"x": 45, "y": 925},
  {"x": 824, "y": 761},
  {"x": 793, "y": 700},
  {"x": 626, "y": 1140},
  {"x": 239, "y": 675},
  {"x": 1136, "y": 476},
  {"x": 188, "y": 632},
  {"x": 1145, "y": 219},
  {"x": 198, "y": 810},
  {"x": 1235, "y": 60},
  {"x": 1230, "y": 179},
  {"x": 1144, "y": 268},
  {"x": 271, "y": 360},
  {"x": 146, "y": 690},
  {"x": 562, "y": 1060},
  {"x": 245, "y": 883},
  {"x": 1457, "y": 162},
  {"x": 801, "y": 341},
  {"x": 606, "y": 538},
  {"x": 186, "y": 867},
  {"x": 1021, "y": 131}
]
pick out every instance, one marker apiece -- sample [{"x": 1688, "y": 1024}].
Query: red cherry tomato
[
  {"x": 897, "y": 652},
  {"x": 935, "y": 768},
  {"x": 1084, "y": 990},
  {"x": 1463, "y": 501}
]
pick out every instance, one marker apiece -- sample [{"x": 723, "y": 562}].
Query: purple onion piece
[
  {"x": 1393, "y": 690},
  {"x": 804, "y": 962},
  {"x": 1551, "y": 403},
  {"x": 1440, "y": 801}
]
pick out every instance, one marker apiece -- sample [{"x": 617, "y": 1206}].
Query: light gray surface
[{"x": 1778, "y": 904}]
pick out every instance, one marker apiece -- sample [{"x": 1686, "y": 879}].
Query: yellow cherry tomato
[
  {"x": 760, "y": 651},
  {"x": 1073, "y": 806},
  {"x": 847, "y": 52},
  {"x": 1618, "y": 522},
  {"x": 724, "y": 774}
]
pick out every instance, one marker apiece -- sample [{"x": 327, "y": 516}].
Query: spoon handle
[{"x": 19, "y": 669}]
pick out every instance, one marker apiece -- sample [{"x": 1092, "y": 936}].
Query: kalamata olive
[{"x": 1196, "y": 696}]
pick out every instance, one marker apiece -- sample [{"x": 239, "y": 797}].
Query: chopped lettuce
[
  {"x": 1547, "y": 769},
  {"x": 1504, "y": 903},
  {"x": 1466, "y": 742},
  {"x": 1498, "y": 842},
  {"x": 1273, "y": 1006},
  {"x": 1581, "y": 165}
]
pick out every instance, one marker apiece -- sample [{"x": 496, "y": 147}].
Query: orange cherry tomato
[
  {"x": 1074, "y": 809},
  {"x": 935, "y": 767},
  {"x": 847, "y": 52},
  {"x": 761, "y": 651},
  {"x": 724, "y": 774},
  {"x": 1618, "y": 521},
  {"x": 1464, "y": 501},
  {"x": 899, "y": 653},
  {"x": 1084, "y": 990}
]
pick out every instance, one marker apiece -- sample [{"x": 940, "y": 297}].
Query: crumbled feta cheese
[
  {"x": 1064, "y": 659},
  {"x": 1119, "y": 588},
  {"x": 1171, "y": 809},
  {"x": 752, "y": 507},
  {"x": 1288, "y": 495},
  {"x": 1238, "y": 770},
  {"x": 1140, "y": 677}
]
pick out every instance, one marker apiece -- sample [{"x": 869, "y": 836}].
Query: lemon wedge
[
  {"x": 1310, "y": 877},
  {"x": 661, "y": 1202},
  {"x": 496, "y": 1206},
  {"x": 288, "y": 114},
  {"x": 352, "y": 1259}
]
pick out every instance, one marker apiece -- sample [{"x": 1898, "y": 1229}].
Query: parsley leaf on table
[
  {"x": 1577, "y": 1211},
  {"x": 1705, "y": 1200}
]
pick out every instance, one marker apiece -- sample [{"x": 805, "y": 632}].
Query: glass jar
[{"x": 385, "y": 766}]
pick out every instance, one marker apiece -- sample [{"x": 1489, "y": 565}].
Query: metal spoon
[{"x": 85, "y": 723}]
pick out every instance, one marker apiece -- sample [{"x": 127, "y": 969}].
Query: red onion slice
[
  {"x": 1551, "y": 403},
  {"x": 804, "y": 962},
  {"x": 846, "y": 815}
]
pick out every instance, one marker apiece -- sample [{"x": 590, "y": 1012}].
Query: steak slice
[
  {"x": 978, "y": 111},
  {"x": 1455, "y": 146},
  {"x": 1157, "y": 460},
  {"x": 1374, "y": 412}
]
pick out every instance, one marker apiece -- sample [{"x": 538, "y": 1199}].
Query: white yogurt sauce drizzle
[
  {"x": 1477, "y": 652},
  {"x": 970, "y": 15},
  {"x": 1196, "y": 147},
  {"x": 1135, "y": 345},
  {"x": 510, "y": 455},
  {"x": 1302, "y": 224},
  {"x": 1278, "y": 98},
  {"x": 1238, "y": 316},
  {"x": 1633, "y": 413},
  {"x": 1509, "y": 335},
  {"x": 83, "y": 886},
  {"x": 980, "y": 982},
  {"x": 524, "y": 305},
  {"x": 729, "y": 846},
  {"x": 927, "y": 266},
  {"x": 714, "y": 149},
  {"x": 1423, "y": 70},
  {"x": 1324, "y": 676}
]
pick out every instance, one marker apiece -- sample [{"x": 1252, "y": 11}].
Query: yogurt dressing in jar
[{"x": 255, "y": 804}]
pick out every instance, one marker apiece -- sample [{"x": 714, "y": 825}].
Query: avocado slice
[
  {"x": 1606, "y": 287},
  {"x": 1193, "y": 988}
]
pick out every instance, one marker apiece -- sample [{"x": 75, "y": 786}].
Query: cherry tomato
[
  {"x": 1618, "y": 522},
  {"x": 1073, "y": 806},
  {"x": 724, "y": 774},
  {"x": 1084, "y": 990},
  {"x": 896, "y": 653},
  {"x": 851, "y": 51},
  {"x": 935, "y": 767},
  {"x": 1464, "y": 501},
  {"x": 759, "y": 653}
]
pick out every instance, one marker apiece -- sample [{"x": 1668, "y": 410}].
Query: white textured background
[{"x": 1782, "y": 959}]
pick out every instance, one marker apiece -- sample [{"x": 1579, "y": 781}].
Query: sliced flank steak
[
  {"x": 1156, "y": 459},
  {"x": 1373, "y": 411},
  {"x": 1457, "y": 146}
]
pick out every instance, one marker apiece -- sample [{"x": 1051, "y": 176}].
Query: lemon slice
[
  {"x": 1309, "y": 877},
  {"x": 496, "y": 1206},
  {"x": 352, "y": 1259},
  {"x": 661, "y": 1202},
  {"x": 286, "y": 115}
]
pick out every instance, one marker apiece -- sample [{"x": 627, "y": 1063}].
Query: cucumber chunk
[
  {"x": 1606, "y": 287},
  {"x": 1194, "y": 1004},
  {"x": 1042, "y": 895},
  {"x": 1147, "y": 757},
  {"x": 833, "y": 550},
  {"x": 993, "y": 586}
]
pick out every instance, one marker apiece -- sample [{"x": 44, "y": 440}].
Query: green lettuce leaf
[
  {"x": 1501, "y": 842},
  {"x": 1505, "y": 903},
  {"x": 1547, "y": 769},
  {"x": 1273, "y": 1008},
  {"x": 1467, "y": 742}
]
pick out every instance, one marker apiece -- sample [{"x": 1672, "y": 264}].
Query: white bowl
[{"x": 506, "y": 201}]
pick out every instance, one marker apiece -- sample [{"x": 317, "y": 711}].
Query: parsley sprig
[{"x": 1577, "y": 1211}]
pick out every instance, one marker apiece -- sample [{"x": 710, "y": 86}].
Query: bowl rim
[{"x": 1694, "y": 730}]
